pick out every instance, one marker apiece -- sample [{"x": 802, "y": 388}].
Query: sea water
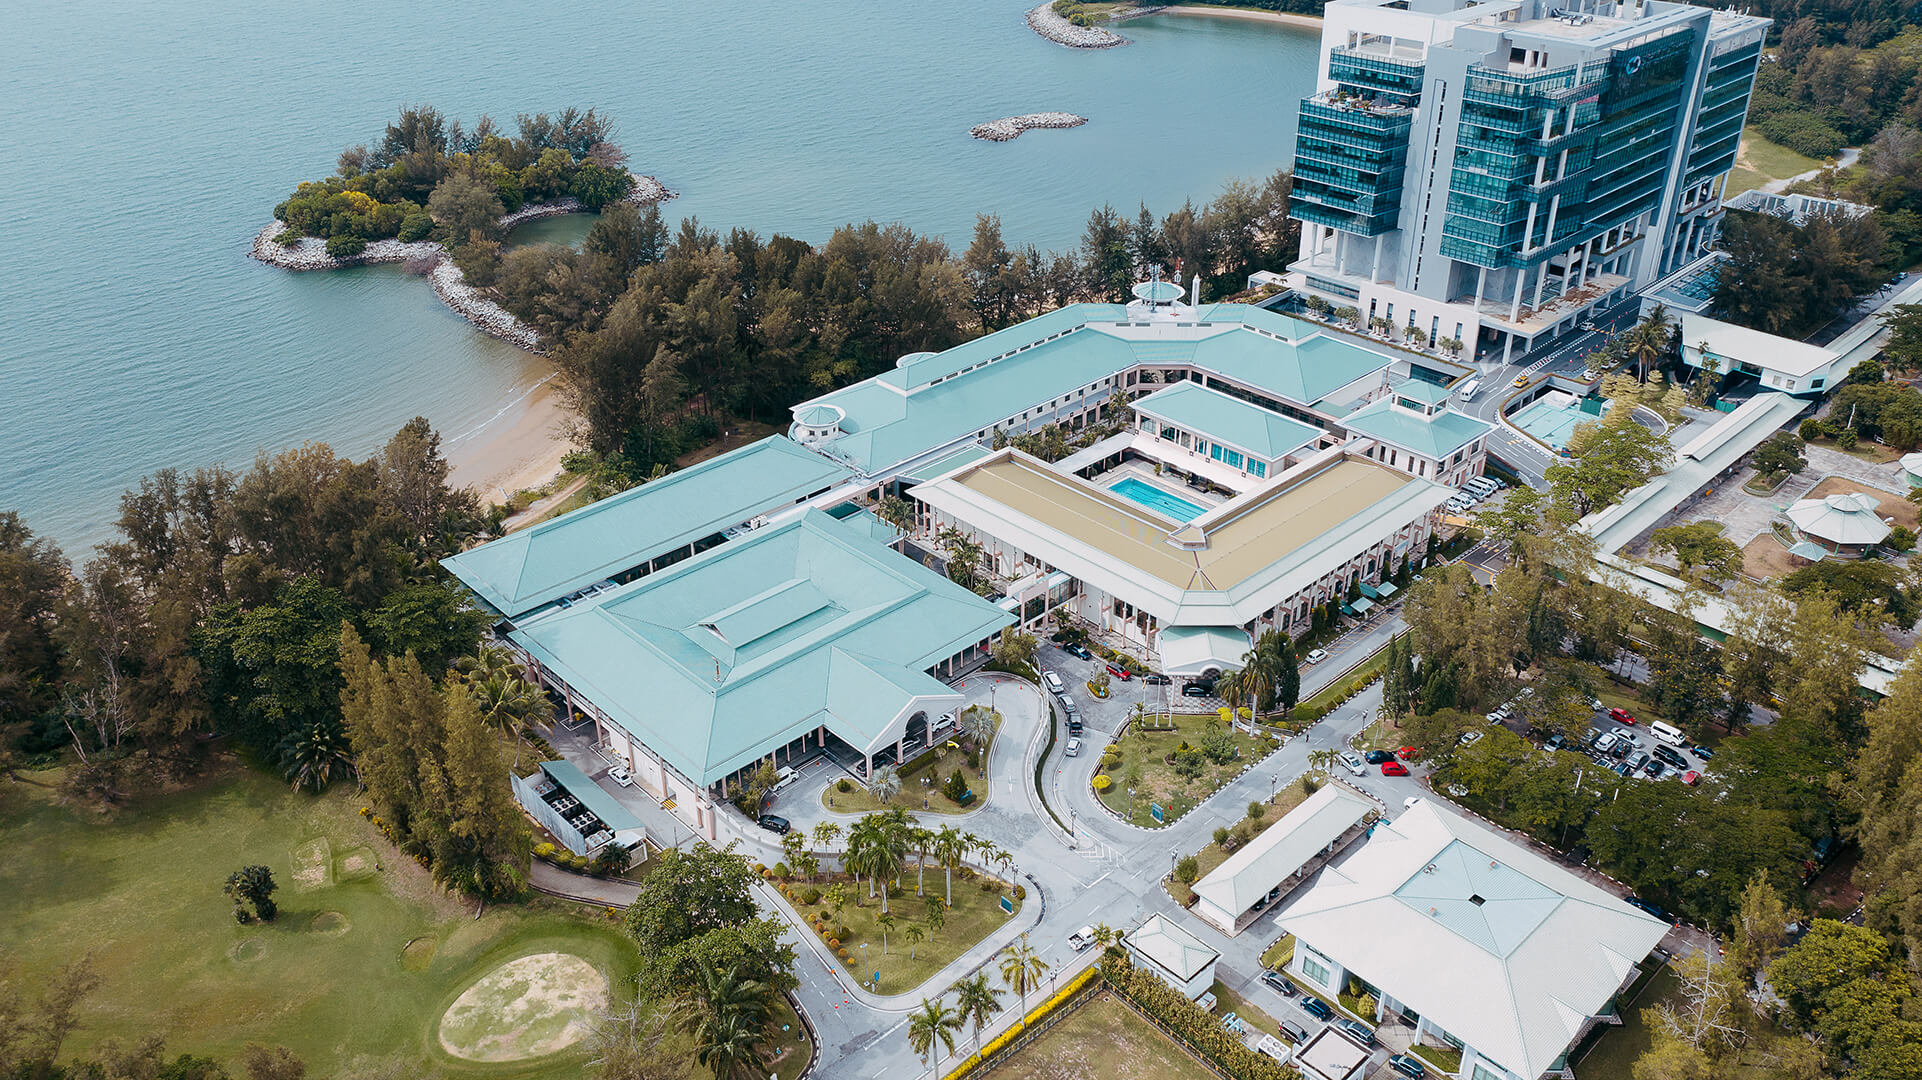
[{"x": 145, "y": 143}]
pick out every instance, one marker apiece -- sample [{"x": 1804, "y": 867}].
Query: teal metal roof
[
  {"x": 717, "y": 660},
  {"x": 527, "y": 569},
  {"x": 1486, "y": 901},
  {"x": 1423, "y": 391},
  {"x": 1051, "y": 362},
  {"x": 947, "y": 463},
  {"x": 1434, "y": 436},
  {"x": 616, "y": 817},
  {"x": 1228, "y": 419}
]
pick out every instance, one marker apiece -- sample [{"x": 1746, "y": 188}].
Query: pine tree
[{"x": 487, "y": 839}]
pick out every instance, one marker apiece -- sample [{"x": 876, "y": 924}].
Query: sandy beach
[
  {"x": 518, "y": 449},
  {"x": 1288, "y": 18}
]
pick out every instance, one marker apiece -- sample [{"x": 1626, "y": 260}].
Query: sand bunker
[{"x": 526, "y": 1008}]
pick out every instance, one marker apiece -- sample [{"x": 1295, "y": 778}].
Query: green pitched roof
[
  {"x": 715, "y": 661},
  {"x": 1425, "y": 392},
  {"x": 1228, "y": 420},
  {"x": 527, "y": 569},
  {"x": 1434, "y": 436}
]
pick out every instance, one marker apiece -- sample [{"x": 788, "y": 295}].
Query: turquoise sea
[{"x": 146, "y": 142}]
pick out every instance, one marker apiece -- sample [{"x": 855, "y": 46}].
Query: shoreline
[
  {"x": 1285, "y": 18},
  {"x": 1051, "y": 27},
  {"x": 521, "y": 447},
  {"x": 310, "y": 253}
]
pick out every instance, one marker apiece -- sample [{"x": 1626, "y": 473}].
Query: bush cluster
[
  {"x": 1201, "y": 1031},
  {"x": 1000, "y": 1042}
]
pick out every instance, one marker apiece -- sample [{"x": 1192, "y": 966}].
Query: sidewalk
[{"x": 568, "y": 885}]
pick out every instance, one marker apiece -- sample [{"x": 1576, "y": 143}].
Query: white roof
[
  {"x": 1171, "y": 948},
  {"x": 1845, "y": 518},
  {"x": 1912, "y": 463},
  {"x": 1330, "y": 1055},
  {"x": 1285, "y": 847},
  {"x": 1495, "y": 944},
  {"x": 1731, "y": 342}
]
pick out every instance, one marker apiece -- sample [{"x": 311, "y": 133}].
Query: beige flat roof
[{"x": 1250, "y": 538}]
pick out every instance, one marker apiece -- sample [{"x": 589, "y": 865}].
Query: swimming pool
[
  {"x": 1552, "y": 417},
  {"x": 1155, "y": 499}
]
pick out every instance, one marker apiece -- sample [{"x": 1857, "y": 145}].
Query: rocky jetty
[
  {"x": 310, "y": 253},
  {"x": 1044, "y": 21},
  {"x": 1011, "y": 126}
]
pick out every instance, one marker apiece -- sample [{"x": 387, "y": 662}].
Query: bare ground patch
[
  {"x": 1765, "y": 559},
  {"x": 527, "y": 1008},
  {"x": 313, "y": 864}
]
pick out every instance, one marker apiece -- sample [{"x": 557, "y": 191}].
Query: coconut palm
[
  {"x": 1021, "y": 969},
  {"x": 950, "y": 846},
  {"x": 933, "y": 1023},
  {"x": 826, "y": 833},
  {"x": 490, "y": 659},
  {"x": 724, "y": 991},
  {"x": 978, "y": 724},
  {"x": 315, "y": 755},
  {"x": 885, "y": 783},
  {"x": 976, "y": 1001},
  {"x": 886, "y": 922},
  {"x": 922, "y": 841},
  {"x": 916, "y": 934},
  {"x": 732, "y": 1047},
  {"x": 877, "y": 847},
  {"x": 1322, "y": 760},
  {"x": 506, "y": 703}
]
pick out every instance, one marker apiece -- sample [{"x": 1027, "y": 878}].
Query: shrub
[
  {"x": 288, "y": 237},
  {"x": 810, "y": 895},
  {"x": 781, "y": 871},
  {"x": 956, "y": 786},
  {"x": 1847, "y": 439},
  {"x": 843, "y": 786},
  {"x": 1256, "y": 810},
  {"x": 1221, "y": 836},
  {"x": 1810, "y": 430},
  {"x": 1020, "y": 892},
  {"x": 1901, "y": 538},
  {"x": 760, "y": 868},
  {"x": 1103, "y": 783},
  {"x": 1199, "y": 1029},
  {"x": 1187, "y": 870},
  {"x": 544, "y": 849},
  {"x": 345, "y": 247},
  {"x": 415, "y": 227}
]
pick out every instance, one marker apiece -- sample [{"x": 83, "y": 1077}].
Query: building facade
[{"x": 1492, "y": 171}]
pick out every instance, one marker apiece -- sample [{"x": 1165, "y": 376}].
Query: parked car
[
  {"x": 1393, "y": 768},
  {"x": 1316, "y": 656},
  {"x": 1078, "y": 650},
  {"x": 1555, "y": 742},
  {"x": 1053, "y": 682},
  {"x": 1292, "y": 1031},
  {"x": 1356, "y": 1030},
  {"x": 1670, "y": 757},
  {"x": 1703, "y": 752},
  {"x": 1652, "y": 909},
  {"x": 1352, "y": 762},
  {"x": 620, "y": 776},
  {"x": 1198, "y": 688},
  {"x": 1119, "y": 672},
  {"x": 1470, "y": 739},
  {"x": 1409, "y": 753},
  {"x": 1653, "y": 769},
  {"x": 1279, "y": 983},
  {"x": 1081, "y": 939},
  {"x": 1408, "y": 1066},
  {"x": 1621, "y": 716},
  {"x": 1074, "y": 748},
  {"x": 774, "y": 823},
  {"x": 1376, "y": 757},
  {"x": 1691, "y": 778},
  {"x": 1635, "y": 763},
  {"x": 1156, "y": 679},
  {"x": 1316, "y": 1008},
  {"x": 1606, "y": 745},
  {"x": 1622, "y": 749}
]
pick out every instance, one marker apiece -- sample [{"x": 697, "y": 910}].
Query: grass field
[
  {"x": 1760, "y": 161},
  {"x": 932, "y": 767},
  {"x": 1158, "y": 783},
  {"x": 363, "y": 961},
  {"x": 903, "y": 964},
  {"x": 1102, "y": 1038}
]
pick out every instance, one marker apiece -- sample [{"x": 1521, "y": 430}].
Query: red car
[
  {"x": 1621, "y": 716},
  {"x": 1119, "y": 672},
  {"x": 1393, "y": 768},
  {"x": 1408, "y": 753},
  {"x": 1691, "y": 778}
]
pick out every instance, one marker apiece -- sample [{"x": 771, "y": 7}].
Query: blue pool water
[
  {"x": 1156, "y": 499},
  {"x": 1552, "y": 418}
]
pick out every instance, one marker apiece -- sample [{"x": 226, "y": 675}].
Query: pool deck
[
  {"x": 1551, "y": 423},
  {"x": 1144, "y": 472}
]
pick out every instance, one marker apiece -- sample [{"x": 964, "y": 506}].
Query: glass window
[
  {"x": 1261, "y": 469},
  {"x": 1215, "y": 452},
  {"x": 1314, "y": 969},
  {"x": 1201, "y": 447},
  {"x": 1483, "y": 1073},
  {"x": 1234, "y": 458}
]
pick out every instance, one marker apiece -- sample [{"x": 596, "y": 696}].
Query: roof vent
[
  {"x": 1434, "y": 911},
  {"x": 1493, "y": 865},
  {"x": 1429, "y": 869},
  {"x": 1477, "y": 900}
]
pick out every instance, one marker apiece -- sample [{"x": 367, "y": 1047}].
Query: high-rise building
[{"x": 1491, "y": 171}]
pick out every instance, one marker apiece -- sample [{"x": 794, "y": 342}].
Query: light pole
[{"x": 1071, "y": 821}]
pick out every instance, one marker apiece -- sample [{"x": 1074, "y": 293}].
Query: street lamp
[{"x": 1071, "y": 821}]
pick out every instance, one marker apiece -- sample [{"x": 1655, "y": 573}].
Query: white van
[
  {"x": 1469, "y": 389},
  {"x": 1667, "y": 732}
]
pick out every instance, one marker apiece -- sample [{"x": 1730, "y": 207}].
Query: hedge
[
  {"x": 1200, "y": 1030},
  {"x": 1000, "y": 1042}
]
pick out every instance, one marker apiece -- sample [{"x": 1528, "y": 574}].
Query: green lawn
[
  {"x": 1760, "y": 161},
  {"x": 1102, "y": 1038},
  {"x": 1449, "y": 1060},
  {"x": 1227, "y": 1001},
  {"x": 905, "y": 965},
  {"x": 1614, "y": 1053},
  {"x": 914, "y": 794},
  {"x": 365, "y": 957},
  {"x": 1158, "y": 783},
  {"x": 1279, "y": 953}
]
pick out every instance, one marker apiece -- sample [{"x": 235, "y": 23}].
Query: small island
[
  {"x": 440, "y": 198},
  {"x": 1010, "y": 127}
]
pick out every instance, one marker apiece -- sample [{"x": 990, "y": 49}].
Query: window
[
  {"x": 1260, "y": 469},
  {"x": 1233, "y": 458},
  {"x": 1314, "y": 969},
  {"x": 1484, "y": 1073},
  {"x": 1215, "y": 452},
  {"x": 1201, "y": 447}
]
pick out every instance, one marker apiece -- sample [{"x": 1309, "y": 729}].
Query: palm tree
[
  {"x": 950, "y": 845},
  {"x": 916, "y": 934},
  {"x": 1322, "y": 760},
  {"x": 933, "y": 1022},
  {"x": 885, "y": 783},
  {"x": 731, "y": 1047},
  {"x": 886, "y": 922},
  {"x": 316, "y": 755},
  {"x": 1021, "y": 969},
  {"x": 826, "y": 833},
  {"x": 877, "y": 846},
  {"x": 922, "y": 841},
  {"x": 718, "y": 992},
  {"x": 506, "y": 702},
  {"x": 489, "y": 659},
  {"x": 732, "y": 1030},
  {"x": 1233, "y": 688},
  {"x": 976, "y": 1001}
]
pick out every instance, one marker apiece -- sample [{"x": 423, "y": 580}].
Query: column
[
  {"x": 1515, "y": 308},
  {"x": 1374, "y": 269}
]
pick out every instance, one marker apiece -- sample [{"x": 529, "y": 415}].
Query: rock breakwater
[
  {"x": 1009, "y": 127},
  {"x": 1044, "y": 21},
  {"x": 310, "y": 253}
]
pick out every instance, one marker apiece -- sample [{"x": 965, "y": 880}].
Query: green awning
[
  {"x": 1369, "y": 591},
  {"x": 1386, "y": 590}
]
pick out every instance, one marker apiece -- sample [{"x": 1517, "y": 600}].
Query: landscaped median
[
  {"x": 1160, "y": 769},
  {"x": 918, "y": 936}
]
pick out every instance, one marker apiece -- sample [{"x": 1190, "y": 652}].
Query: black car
[
  {"x": 1376, "y": 757},
  {"x": 1077, "y": 650},
  {"x": 1279, "y": 983},
  {"x": 774, "y": 823},
  {"x": 1669, "y": 757},
  {"x": 1638, "y": 902},
  {"x": 1198, "y": 689},
  {"x": 1156, "y": 680},
  {"x": 1653, "y": 769},
  {"x": 1317, "y": 1008},
  {"x": 1408, "y": 1066}
]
